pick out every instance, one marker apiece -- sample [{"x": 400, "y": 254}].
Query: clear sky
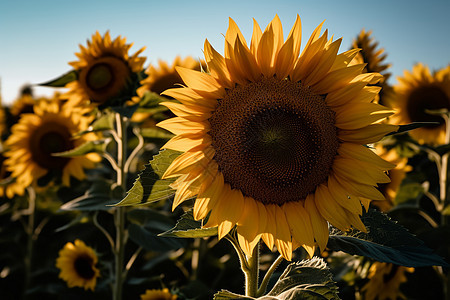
[{"x": 39, "y": 38}]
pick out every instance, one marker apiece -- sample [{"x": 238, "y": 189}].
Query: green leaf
[
  {"x": 446, "y": 211},
  {"x": 187, "y": 227},
  {"x": 150, "y": 101},
  {"x": 307, "y": 279},
  {"x": 149, "y": 187},
  {"x": 409, "y": 192},
  {"x": 226, "y": 295},
  {"x": 97, "y": 146},
  {"x": 411, "y": 126},
  {"x": 156, "y": 133},
  {"x": 62, "y": 80},
  {"x": 126, "y": 111},
  {"x": 386, "y": 241},
  {"x": 98, "y": 197},
  {"x": 105, "y": 122}
]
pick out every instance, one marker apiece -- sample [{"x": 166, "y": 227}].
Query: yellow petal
[
  {"x": 256, "y": 37},
  {"x": 202, "y": 83},
  {"x": 337, "y": 79},
  {"x": 271, "y": 228},
  {"x": 195, "y": 161},
  {"x": 188, "y": 142},
  {"x": 362, "y": 153},
  {"x": 300, "y": 224},
  {"x": 217, "y": 66},
  {"x": 329, "y": 208},
  {"x": 207, "y": 199},
  {"x": 343, "y": 197},
  {"x": 188, "y": 112},
  {"x": 190, "y": 97},
  {"x": 318, "y": 223},
  {"x": 266, "y": 53},
  {"x": 360, "y": 115},
  {"x": 178, "y": 125},
  {"x": 367, "y": 135},
  {"x": 324, "y": 65},
  {"x": 230, "y": 210}
]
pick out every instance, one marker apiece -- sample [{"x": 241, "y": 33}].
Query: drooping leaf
[
  {"x": 187, "y": 227},
  {"x": 149, "y": 187},
  {"x": 62, "y": 80},
  {"x": 226, "y": 295},
  {"x": 105, "y": 122},
  {"x": 156, "y": 133},
  {"x": 386, "y": 241},
  {"x": 97, "y": 197},
  {"x": 97, "y": 146},
  {"x": 409, "y": 192},
  {"x": 411, "y": 126},
  {"x": 147, "y": 237},
  {"x": 307, "y": 279}
]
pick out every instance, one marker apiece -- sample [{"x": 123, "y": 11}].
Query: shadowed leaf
[
  {"x": 62, "y": 80},
  {"x": 187, "y": 227}
]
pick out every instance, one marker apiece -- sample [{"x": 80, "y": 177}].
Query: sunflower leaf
[
  {"x": 148, "y": 238},
  {"x": 149, "y": 187},
  {"x": 307, "y": 279},
  {"x": 385, "y": 241},
  {"x": 97, "y": 197},
  {"x": 105, "y": 122},
  {"x": 62, "y": 80},
  {"x": 156, "y": 133},
  {"x": 187, "y": 227},
  {"x": 411, "y": 126},
  {"x": 126, "y": 111},
  {"x": 97, "y": 146},
  {"x": 226, "y": 295}
]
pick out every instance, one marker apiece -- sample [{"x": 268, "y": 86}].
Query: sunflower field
[{"x": 278, "y": 167}]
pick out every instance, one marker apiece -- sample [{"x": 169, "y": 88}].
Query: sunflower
[
  {"x": 104, "y": 70},
  {"x": 37, "y": 136},
  {"x": 373, "y": 58},
  {"x": 77, "y": 263},
  {"x": 8, "y": 186},
  {"x": 163, "y": 294},
  {"x": 384, "y": 281},
  {"x": 274, "y": 142},
  {"x": 416, "y": 92}
]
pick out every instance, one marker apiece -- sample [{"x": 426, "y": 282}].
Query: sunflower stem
[
  {"x": 119, "y": 213},
  {"x": 263, "y": 287},
  {"x": 30, "y": 237},
  {"x": 252, "y": 276}
]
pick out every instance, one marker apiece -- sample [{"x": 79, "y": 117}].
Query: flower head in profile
[
  {"x": 416, "y": 92},
  {"x": 163, "y": 294},
  {"x": 374, "y": 58},
  {"x": 105, "y": 70},
  {"x": 49, "y": 130},
  {"x": 384, "y": 281},
  {"x": 78, "y": 265},
  {"x": 274, "y": 140}
]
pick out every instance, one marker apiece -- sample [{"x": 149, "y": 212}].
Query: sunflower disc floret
[{"x": 274, "y": 140}]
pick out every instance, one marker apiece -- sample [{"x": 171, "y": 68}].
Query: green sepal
[
  {"x": 149, "y": 187},
  {"x": 187, "y": 227},
  {"x": 62, "y": 80},
  {"x": 385, "y": 241},
  {"x": 97, "y": 146},
  {"x": 411, "y": 126}
]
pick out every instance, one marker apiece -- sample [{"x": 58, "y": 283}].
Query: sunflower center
[
  {"x": 49, "y": 138},
  {"x": 427, "y": 98},
  {"x": 99, "y": 76},
  {"x": 83, "y": 266},
  {"x": 104, "y": 78},
  {"x": 274, "y": 140}
]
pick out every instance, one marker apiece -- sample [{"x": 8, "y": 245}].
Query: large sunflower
[
  {"x": 77, "y": 263},
  {"x": 104, "y": 70},
  {"x": 275, "y": 142},
  {"x": 163, "y": 294},
  {"x": 37, "y": 136},
  {"x": 384, "y": 281},
  {"x": 416, "y": 92}
]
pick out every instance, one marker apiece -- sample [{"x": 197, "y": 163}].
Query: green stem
[
  {"x": 265, "y": 282},
  {"x": 30, "y": 237},
  {"x": 119, "y": 213},
  {"x": 251, "y": 277}
]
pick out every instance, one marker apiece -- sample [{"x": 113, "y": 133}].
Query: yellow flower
[
  {"x": 77, "y": 263},
  {"x": 373, "y": 58},
  {"x": 275, "y": 142},
  {"x": 163, "y": 294},
  {"x": 104, "y": 70},
  {"x": 384, "y": 281},
  {"x": 37, "y": 136},
  {"x": 164, "y": 77},
  {"x": 8, "y": 187},
  {"x": 416, "y": 92}
]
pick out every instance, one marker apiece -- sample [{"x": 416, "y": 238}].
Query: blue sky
[{"x": 39, "y": 38}]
